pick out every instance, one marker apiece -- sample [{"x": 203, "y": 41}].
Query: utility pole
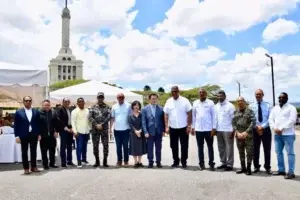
[
  {"x": 272, "y": 75},
  {"x": 239, "y": 84}
]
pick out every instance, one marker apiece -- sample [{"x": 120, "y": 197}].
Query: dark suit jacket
[
  {"x": 61, "y": 118},
  {"x": 47, "y": 120},
  {"x": 149, "y": 122},
  {"x": 21, "y": 125}
]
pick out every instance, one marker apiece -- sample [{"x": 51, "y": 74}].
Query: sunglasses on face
[
  {"x": 29, "y": 101},
  {"x": 120, "y": 97}
]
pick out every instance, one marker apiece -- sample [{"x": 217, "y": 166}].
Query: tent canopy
[
  {"x": 12, "y": 74},
  {"x": 17, "y": 81},
  {"x": 89, "y": 90}
]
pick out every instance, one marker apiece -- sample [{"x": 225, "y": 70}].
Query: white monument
[{"x": 65, "y": 66}]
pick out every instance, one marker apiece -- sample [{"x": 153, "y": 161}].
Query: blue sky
[{"x": 163, "y": 43}]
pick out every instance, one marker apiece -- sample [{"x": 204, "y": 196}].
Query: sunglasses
[
  {"x": 121, "y": 97},
  {"x": 29, "y": 101}
]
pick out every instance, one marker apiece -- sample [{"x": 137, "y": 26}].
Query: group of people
[{"x": 138, "y": 130}]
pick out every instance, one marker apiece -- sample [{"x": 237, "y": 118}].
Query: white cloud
[
  {"x": 278, "y": 29},
  {"x": 251, "y": 70},
  {"x": 194, "y": 17},
  {"x": 136, "y": 59},
  {"x": 25, "y": 39}
]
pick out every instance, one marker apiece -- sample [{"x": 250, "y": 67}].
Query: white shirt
[
  {"x": 203, "y": 115},
  {"x": 80, "y": 121},
  {"x": 28, "y": 113},
  {"x": 284, "y": 119},
  {"x": 177, "y": 111},
  {"x": 224, "y": 116}
]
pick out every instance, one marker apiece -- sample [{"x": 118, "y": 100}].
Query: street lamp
[
  {"x": 272, "y": 74},
  {"x": 239, "y": 84}
]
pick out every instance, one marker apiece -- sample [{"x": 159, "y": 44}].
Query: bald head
[
  {"x": 120, "y": 98},
  {"x": 241, "y": 102},
  {"x": 66, "y": 102},
  {"x": 259, "y": 94}
]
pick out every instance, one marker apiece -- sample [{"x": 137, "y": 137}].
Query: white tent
[
  {"x": 17, "y": 81},
  {"x": 89, "y": 90}
]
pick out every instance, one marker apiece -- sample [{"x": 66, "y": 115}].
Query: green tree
[
  {"x": 161, "y": 90},
  {"x": 147, "y": 88}
]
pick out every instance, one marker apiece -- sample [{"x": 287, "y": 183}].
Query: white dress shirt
[
  {"x": 28, "y": 113},
  {"x": 177, "y": 111},
  {"x": 203, "y": 115},
  {"x": 224, "y": 116},
  {"x": 284, "y": 118}
]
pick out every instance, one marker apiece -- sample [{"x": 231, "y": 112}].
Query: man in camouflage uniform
[
  {"x": 243, "y": 122},
  {"x": 99, "y": 117}
]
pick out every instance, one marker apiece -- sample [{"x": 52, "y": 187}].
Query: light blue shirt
[
  {"x": 265, "y": 109},
  {"x": 153, "y": 109},
  {"x": 121, "y": 113}
]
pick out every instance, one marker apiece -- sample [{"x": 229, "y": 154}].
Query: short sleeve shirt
[
  {"x": 121, "y": 113},
  {"x": 177, "y": 111}
]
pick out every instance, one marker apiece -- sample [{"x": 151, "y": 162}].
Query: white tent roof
[
  {"x": 11, "y": 74},
  {"x": 89, "y": 90}
]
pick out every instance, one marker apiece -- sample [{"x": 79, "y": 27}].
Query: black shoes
[
  {"x": 279, "y": 173},
  {"x": 290, "y": 176},
  {"x": 222, "y": 167},
  {"x": 241, "y": 171},
  {"x": 105, "y": 162}
]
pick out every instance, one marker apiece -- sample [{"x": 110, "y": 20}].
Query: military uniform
[
  {"x": 100, "y": 114},
  {"x": 244, "y": 121}
]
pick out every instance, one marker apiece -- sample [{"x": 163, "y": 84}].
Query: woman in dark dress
[{"x": 137, "y": 143}]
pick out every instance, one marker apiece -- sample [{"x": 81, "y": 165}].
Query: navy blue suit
[
  {"x": 154, "y": 126},
  {"x": 21, "y": 129}
]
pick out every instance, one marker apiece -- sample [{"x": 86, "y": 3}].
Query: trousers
[
  {"x": 245, "y": 145},
  {"x": 201, "y": 137},
  {"x": 157, "y": 141},
  {"x": 81, "y": 150},
  {"x": 48, "y": 144},
  {"x": 122, "y": 142},
  {"x": 96, "y": 136},
  {"x": 66, "y": 140},
  {"x": 31, "y": 140},
  {"x": 286, "y": 141},
  {"x": 181, "y": 135},
  {"x": 226, "y": 148},
  {"x": 266, "y": 140}
]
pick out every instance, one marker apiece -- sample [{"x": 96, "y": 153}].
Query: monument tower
[{"x": 65, "y": 66}]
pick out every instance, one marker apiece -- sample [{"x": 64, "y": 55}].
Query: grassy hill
[{"x": 191, "y": 94}]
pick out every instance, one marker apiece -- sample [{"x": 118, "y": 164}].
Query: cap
[{"x": 100, "y": 94}]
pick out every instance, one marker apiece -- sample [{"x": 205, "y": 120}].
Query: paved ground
[{"x": 133, "y": 184}]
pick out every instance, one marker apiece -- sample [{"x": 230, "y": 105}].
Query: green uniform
[
  {"x": 100, "y": 114},
  {"x": 244, "y": 121}
]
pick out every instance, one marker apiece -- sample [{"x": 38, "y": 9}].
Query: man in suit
[
  {"x": 153, "y": 126},
  {"x": 49, "y": 135},
  {"x": 27, "y": 132},
  {"x": 64, "y": 127}
]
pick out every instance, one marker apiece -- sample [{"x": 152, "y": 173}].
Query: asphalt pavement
[{"x": 88, "y": 183}]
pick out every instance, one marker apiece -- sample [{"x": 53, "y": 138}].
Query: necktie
[{"x": 260, "y": 117}]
